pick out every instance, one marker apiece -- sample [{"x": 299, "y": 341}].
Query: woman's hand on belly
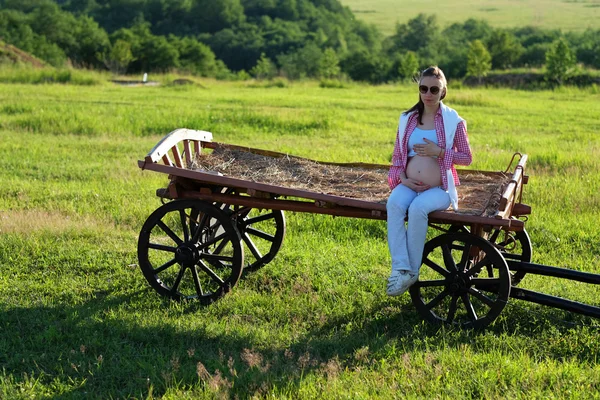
[{"x": 415, "y": 185}]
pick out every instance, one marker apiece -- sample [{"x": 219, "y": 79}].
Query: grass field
[
  {"x": 568, "y": 15},
  {"x": 78, "y": 320}
]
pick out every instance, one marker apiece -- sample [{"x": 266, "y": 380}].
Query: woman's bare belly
[{"x": 424, "y": 169}]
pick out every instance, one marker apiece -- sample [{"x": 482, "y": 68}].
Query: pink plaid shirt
[{"x": 459, "y": 154}]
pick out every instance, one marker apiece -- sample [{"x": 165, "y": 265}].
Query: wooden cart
[{"x": 212, "y": 226}]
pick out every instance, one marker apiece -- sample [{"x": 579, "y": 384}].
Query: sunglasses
[{"x": 434, "y": 89}]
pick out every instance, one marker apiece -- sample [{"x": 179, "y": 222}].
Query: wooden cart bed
[{"x": 200, "y": 168}]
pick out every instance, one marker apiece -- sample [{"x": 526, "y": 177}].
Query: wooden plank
[
  {"x": 520, "y": 209},
  {"x": 439, "y": 217},
  {"x": 172, "y": 188}
]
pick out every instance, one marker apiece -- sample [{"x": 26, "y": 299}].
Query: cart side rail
[
  {"x": 510, "y": 202},
  {"x": 182, "y": 155}
]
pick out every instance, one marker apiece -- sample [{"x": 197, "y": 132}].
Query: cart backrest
[{"x": 184, "y": 146}]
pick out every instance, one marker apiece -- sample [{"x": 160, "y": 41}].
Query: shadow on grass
[{"x": 98, "y": 349}]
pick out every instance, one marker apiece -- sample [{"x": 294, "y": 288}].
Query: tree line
[{"x": 233, "y": 39}]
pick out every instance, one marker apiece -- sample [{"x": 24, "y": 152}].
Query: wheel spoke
[
  {"x": 184, "y": 225},
  {"x": 259, "y": 218},
  {"x": 484, "y": 299},
  {"x": 486, "y": 282},
  {"x": 479, "y": 266},
  {"x": 432, "y": 283},
  {"x": 197, "y": 284},
  {"x": 164, "y": 266},
  {"x": 255, "y": 252},
  {"x": 494, "y": 236},
  {"x": 469, "y": 307},
  {"x": 466, "y": 255},
  {"x": 169, "y": 232},
  {"x": 211, "y": 273},
  {"x": 448, "y": 260},
  {"x": 198, "y": 231},
  {"x": 437, "y": 299},
  {"x": 439, "y": 269},
  {"x": 216, "y": 257},
  {"x": 178, "y": 280},
  {"x": 203, "y": 223},
  {"x": 452, "y": 309},
  {"x": 221, "y": 246},
  {"x": 161, "y": 247},
  {"x": 241, "y": 212},
  {"x": 212, "y": 241},
  {"x": 260, "y": 234}
]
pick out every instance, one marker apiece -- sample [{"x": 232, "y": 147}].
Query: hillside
[
  {"x": 566, "y": 15},
  {"x": 13, "y": 54}
]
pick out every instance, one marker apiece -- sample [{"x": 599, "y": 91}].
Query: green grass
[
  {"x": 78, "y": 319},
  {"x": 548, "y": 14},
  {"x": 49, "y": 75}
]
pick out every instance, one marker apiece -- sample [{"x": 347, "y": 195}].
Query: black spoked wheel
[
  {"x": 512, "y": 245},
  {"x": 262, "y": 232},
  {"x": 464, "y": 281},
  {"x": 189, "y": 249}
]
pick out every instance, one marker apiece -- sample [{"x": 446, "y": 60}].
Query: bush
[{"x": 332, "y": 84}]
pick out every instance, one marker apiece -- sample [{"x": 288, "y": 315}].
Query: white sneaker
[{"x": 400, "y": 281}]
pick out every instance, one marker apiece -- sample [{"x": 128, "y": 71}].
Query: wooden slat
[
  {"x": 167, "y": 160},
  {"x": 177, "y": 156},
  {"x": 187, "y": 151}
]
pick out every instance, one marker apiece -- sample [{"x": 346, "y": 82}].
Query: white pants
[{"x": 406, "y": 243}]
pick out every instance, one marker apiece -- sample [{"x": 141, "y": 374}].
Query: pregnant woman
[{"x": 431, "y": 139}]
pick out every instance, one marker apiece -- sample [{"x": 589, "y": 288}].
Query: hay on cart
[{"x": 479, "y": 194}]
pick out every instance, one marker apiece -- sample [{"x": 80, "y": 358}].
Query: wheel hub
[
  {"x": 186, "y": 255},
  {"x": 459, "y": 283}
]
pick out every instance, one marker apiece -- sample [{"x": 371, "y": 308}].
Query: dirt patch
[{"x": 479, "y": 194}]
